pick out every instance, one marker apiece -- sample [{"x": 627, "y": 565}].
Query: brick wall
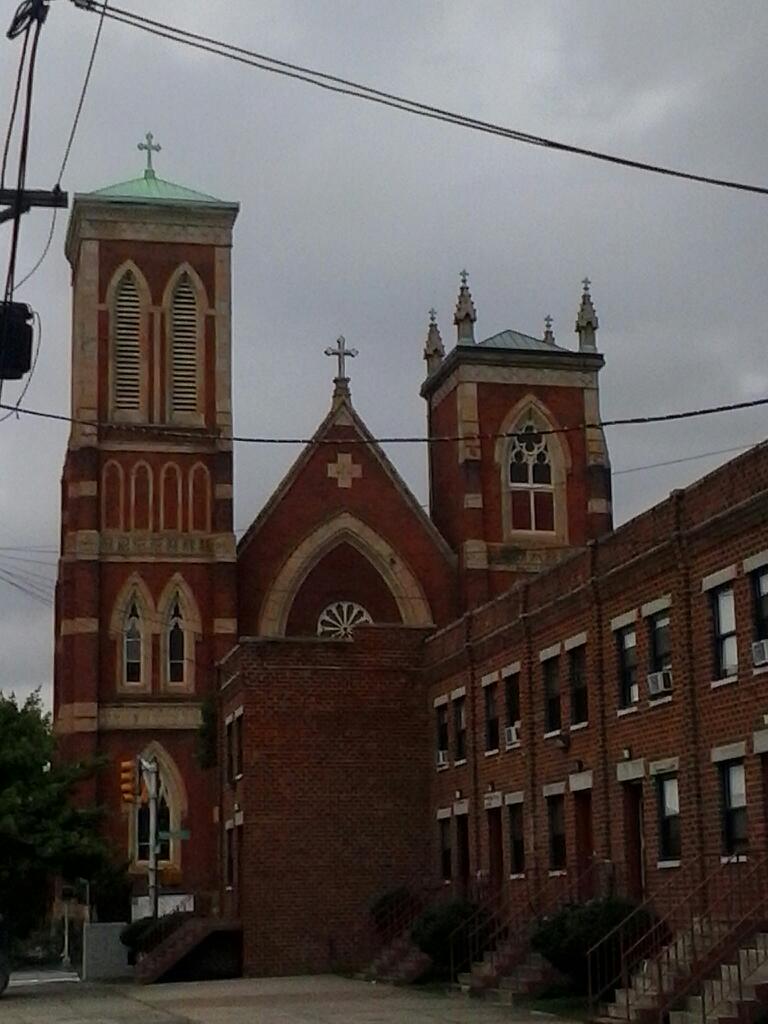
[
  {"x": 333, "y": 792},
  {"x": 660, "y": 558}
]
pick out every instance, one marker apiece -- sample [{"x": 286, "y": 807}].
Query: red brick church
[{"x": 504, "y": 689}]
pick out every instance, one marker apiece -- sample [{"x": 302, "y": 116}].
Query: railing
[
  {"x": 749, "y": 921},
  {"x": 605, "y": 963},
  {"x": 405, "y": 907},
  {"x": 494, "y": 921},
  {"x": 691, "y": 933}
]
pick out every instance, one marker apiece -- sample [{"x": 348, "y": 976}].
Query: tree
[{"x": 43, "y": 833}]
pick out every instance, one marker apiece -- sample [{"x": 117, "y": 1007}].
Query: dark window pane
[
  {"x": 513, "y": 698},
  {"x": 542, "y": 473},
  {"x": 516, "y": 839},
  {"x": 521, "y": 510},
  {"x": 518, "y": 472},
  {"x": 552, "y": 719},
  {"x": 761, "y": 605},
  {"x": 556, "y": 822},
  {"x": 544, "y": 510}
]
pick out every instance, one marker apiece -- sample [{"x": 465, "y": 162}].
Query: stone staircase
[
  {"x": 732, "y": 990},
  {"x": 400, "y": 962},
  {"x": 507, "y": 972},
  {"x": 180, "y": 943}
]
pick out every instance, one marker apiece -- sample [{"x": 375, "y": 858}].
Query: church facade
[{"x": 401, "y": 698}]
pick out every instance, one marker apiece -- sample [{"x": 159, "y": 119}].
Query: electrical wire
[
  {"x": 347, "y": 87},
  {"x": 65, "y": 158},
  {"x": 193, "y": 435},
  {"x": 14, "y": 108}
]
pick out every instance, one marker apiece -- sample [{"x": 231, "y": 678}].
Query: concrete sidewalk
[{"x": 307, "y": 1000}]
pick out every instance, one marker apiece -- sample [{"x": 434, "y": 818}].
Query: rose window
[{"x": 338, "y": 620}]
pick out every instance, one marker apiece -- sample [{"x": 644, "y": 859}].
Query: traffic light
[
  {"x": 15, "y": 340},
  {"x": 128, "y": 781}
]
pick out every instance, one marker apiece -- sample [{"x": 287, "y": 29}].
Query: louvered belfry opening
[
  {"x": 127, "y": 368},
  {"x": 184, "y": 348}
]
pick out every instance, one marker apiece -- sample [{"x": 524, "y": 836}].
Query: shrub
[
  {"x": 433, "y": 930},
  {"x": 389, "y": 904},
  {"x": 566, "y": 937}
]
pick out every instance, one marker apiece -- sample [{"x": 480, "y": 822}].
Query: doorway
[
  {"x": 462, "y": 851},
  {"x": 495, "y": 849},
  {"x": 634, "y": 840},
  {"x": 585, "y": 846}
]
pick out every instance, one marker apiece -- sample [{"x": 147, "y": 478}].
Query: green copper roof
[{"x": 151, "y": 189}]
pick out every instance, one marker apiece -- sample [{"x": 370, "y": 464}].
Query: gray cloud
[{"x": 357, "y": 219}]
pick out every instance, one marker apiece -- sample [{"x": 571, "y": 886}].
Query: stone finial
[
  {"x": 433, "y": 347},
  {"x": 549, "y": 335},
  {"x": 341, "y": 353},
  {"x": 586, "y": 321},
  {"x": 465, "y": 314}
]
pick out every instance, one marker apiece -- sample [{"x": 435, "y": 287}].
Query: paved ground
[{"x": 316, "y": 1000}]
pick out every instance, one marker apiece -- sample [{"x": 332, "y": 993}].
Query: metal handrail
[
  {"x": 725, "y": 946},
  {"x": 595, "y": 953},
  {"x": 517, "y": 924},
  {"x": 487, "y": 906},
  {"x": 667, "y": 957}
]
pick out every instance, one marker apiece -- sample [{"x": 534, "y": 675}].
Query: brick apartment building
[{"x": 504, "y": 690}]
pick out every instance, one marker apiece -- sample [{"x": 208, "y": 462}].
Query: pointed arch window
[
  {"x": 141, "y": 852},
  {"x": 132, "y": 646},
  {"x": 176, "y": 644},
  {"x": 184, "y": 348},
  {"x": 126, "y": 374},
  {"x": 530, "y": 480}
]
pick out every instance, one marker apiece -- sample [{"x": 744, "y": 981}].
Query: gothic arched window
[
  {"x": 132, "y": 646},
  {"x": 184, "y": 384},
  {"x": 176, "y": 644},
  {"x": 532, "y": 494},
  {"x": 126, "y": 372},
  {"x": 163, "y": 824}
]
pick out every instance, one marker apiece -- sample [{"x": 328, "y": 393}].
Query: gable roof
[
  {"x": 342, "y": 413},
  {"x": 521, "y": 342}
]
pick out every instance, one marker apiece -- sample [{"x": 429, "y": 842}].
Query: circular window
[{"x": 339, "y": 619}]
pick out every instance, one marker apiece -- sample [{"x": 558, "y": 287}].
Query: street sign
[{"x": 182, "y": 833}]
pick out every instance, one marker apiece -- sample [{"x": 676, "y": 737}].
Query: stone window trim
[
  {"x": 172, "y": 784},
  {"x": 516, "y": 797},
  {"x": 756, "y": 561},
  {"x": 550, "y": 652},
  {"x": 121, "y": 274},
  {"x": 530, "y": 410},
  {"x": 439, "y": 701},
  {"x": 134, "y": 593},
  {"x": 622, "y": 621},
  {"x": 512, "y": 669},
  {"x": 443, "y": 812},
  {"x": 660, "y": 604},
  {"x": 188, "y": 417},
  {"x": 489, "y": 678},
  {"x": 579, "y": 640},
  {"x": 177, "y": 589},
  {"x": 719, "y": 578}
]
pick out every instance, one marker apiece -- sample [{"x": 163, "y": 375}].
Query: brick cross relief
[{"x": 344, "y": 470}]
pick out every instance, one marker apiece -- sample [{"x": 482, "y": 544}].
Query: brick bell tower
[
  {"x": 526, "y": 478},
  {"x": 146, "y": 593}
]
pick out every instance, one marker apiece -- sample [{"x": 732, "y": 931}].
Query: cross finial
[
  {"x": 341, "y": 352},
  {"x": 548, "y": 322},
  {"x": 433, "y": 315},
  {"x": 587, "y": 283},
  {"x": 151, "y": 147},
  {"x": 464, "y": 276}
]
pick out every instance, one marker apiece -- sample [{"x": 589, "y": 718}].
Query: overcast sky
[{"x": 357, "y": 219}]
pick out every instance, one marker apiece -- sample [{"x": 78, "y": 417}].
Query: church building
[{"x": 460, "y": 699}]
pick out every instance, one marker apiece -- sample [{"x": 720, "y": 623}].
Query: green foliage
[
  {"x": 433, "y": 930},
  {"x": 206, "y": 735},
  {"x": 42, "y": 832},
  {"x": 565, "y": 938}
]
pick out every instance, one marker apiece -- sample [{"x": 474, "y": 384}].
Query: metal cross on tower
[
  {"x": 151, "y": 147},
  {"x": 341, "y": 352}
]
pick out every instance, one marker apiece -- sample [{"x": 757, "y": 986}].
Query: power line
[
  {"x": 193, "y": 435},
  {"x": 347, "y": 87},
  {"x": 83, "y": 91},
  {"x": 685, "y": 458},
  {"x": 14, "y": 108}
]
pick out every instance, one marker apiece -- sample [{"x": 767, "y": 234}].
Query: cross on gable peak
[
  {"x": 149, "y": 146},
  {"x": 342, "y": 353}
]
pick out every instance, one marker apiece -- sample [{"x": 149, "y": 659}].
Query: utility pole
[
  {"x": 150, "y": 773},
  {"x": 22, "y": 202}
]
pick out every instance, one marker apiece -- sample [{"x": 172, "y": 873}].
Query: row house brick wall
[{"x": 594, "y": 767}]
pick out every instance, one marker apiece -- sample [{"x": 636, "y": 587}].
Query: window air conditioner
[
  {"x": 442, "y": 758},
  {"x": 512, "y": 734},
  {"x": 760, "y": 653},
  {"x": 659, "y": 683}
]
